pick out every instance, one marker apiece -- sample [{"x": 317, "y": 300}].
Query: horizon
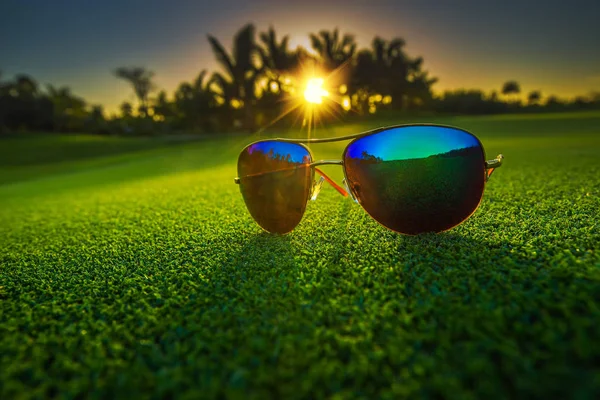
[{"x": 471, "y": 46}]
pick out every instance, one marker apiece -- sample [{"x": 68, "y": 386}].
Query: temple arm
[
  {"x": 332, "y": 183},
  {"x": 491, "y": 165}
]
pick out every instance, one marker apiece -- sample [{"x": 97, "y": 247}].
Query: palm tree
[
  {"x": 3, "y": 103},
  {"x": 95, "y": 121},
  {"x": 334, "y": 58},
  {"x": 279, "y": 66},
  {"x": 333, "y": 51},
  {"x": 97, "y": 111},
  {"x": 126, "y": 109},
  {"x": 373, "y": 70},
  {"x": 193, "y": 102},
  {"x": 419, "y": 86},
  {"x": 237, "y": 86},
  {"x": 26, "y": 86},
  {"x": 24, "y": 106},
  {"x": 69, "y": 111},
  {"x": 141, "y": 81},
  {"x": 275, "y": 55},
  {"x": 385, "y": 69},
  {"x": 162, "y": 107}
]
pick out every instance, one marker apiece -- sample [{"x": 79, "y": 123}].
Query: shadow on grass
[
  {"x": 338, "y": 307},
  {"x": 457, "y": 306},
  {"x": 427, "y": 264}
]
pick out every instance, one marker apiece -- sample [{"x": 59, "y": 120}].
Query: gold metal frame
[{"x": 489, "y": 165}]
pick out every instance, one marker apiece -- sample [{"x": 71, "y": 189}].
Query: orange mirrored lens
[{"x": 275, "y": 181}]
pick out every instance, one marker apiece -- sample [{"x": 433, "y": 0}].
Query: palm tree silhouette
[
  {"x": 240, "y": 69},
  {"x": 275, "y": 55},
  {"x": 66, "y": 107},
  {"x": 279, "y": 66},
  {"x": 333, "y": 50},
  {"x": 162, "y": 107},
  {"x": 386, "y": 69},
  {"x": 141, "y": 81},
  {"x": 126, "y": 109},
  {"x": 25, "y": 86},
  {"x": 193, "y": 101}
]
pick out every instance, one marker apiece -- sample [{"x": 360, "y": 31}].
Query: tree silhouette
[
  {"x": 165, "y": 113},
  {"x": 69, "y": 111},
  {"x": 141, "y": 81},
  {"x": 554, "y": 103},
  {"x": 370, "y": 158},
  {"x": 371, "y": 71},
  {"x": 23, "y": 106},
  {"x": 511, "y": 87},
  {"x": 126, "y": 109},
  {"x": 333, "y": 51},
  {"x": 162, "y": 107},
  {"x": 3, "y": 86},
  {"x": 95, "y": 121},
  {"x": 26, "y": 86},
  {"x": 534, "y": 97},
  {"x": 255, "y": 84},
  {"x": 275, "y": 56},
  {"x": 193, "y": 102},
  {"x": 471, "y": 101},
  {"x": 241, "y": 72},
  {"x": 385, "y": 69},
  {"x": 3, "y": 104},
  {"x": 279, "y": 66}
]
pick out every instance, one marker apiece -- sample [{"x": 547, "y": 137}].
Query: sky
[
  {"x": 415, "y": 142},
  {"x": 552, "y": 46}
]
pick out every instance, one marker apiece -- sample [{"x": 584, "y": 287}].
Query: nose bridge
[
  {"x": 327, "y": 162},
  {"x": 324, "y": 177}
]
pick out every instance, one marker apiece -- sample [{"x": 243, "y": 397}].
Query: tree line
[{"x": 262, "y": 81}]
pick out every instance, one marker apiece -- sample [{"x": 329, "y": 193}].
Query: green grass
[{"x": 133, "y": 269}]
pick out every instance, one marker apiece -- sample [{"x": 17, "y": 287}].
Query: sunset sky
[{"x": 553, "y": 46}]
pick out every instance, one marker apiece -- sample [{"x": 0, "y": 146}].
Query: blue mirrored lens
[{"x": 417, "y": 179}]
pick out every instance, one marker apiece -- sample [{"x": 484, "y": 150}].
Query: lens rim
[
  {"x": 312, "y": 178},
  {"x": 387, "y": 128}
]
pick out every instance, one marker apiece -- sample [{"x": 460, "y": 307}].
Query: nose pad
[
  {"x": 317, "y": 188},
  {"x": 345, "y": 182}
]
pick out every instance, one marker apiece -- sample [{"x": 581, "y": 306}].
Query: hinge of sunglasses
[{"x": 491, "y": 165}]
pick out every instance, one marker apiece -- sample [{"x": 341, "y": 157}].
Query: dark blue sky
[{"x": 549, "y": 45}]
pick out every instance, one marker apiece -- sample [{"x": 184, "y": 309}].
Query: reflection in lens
[
  {"x": 417, "y": 179},
  {"x": 275, "y": 180}
]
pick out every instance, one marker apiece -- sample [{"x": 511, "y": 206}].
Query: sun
[
  {"x": 303, "y": 97},
  {"x": 314, "y": 91}
]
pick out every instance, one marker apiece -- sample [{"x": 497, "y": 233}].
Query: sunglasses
[{"x": 411, "y": 179}]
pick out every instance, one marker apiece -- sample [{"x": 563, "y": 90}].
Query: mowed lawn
[{"x": 130, "y": 268}]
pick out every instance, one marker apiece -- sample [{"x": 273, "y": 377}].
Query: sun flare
[{"x": 314, "y": 91}]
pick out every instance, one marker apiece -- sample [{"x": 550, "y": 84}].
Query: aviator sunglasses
[{"x": 411, "y": 179}]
